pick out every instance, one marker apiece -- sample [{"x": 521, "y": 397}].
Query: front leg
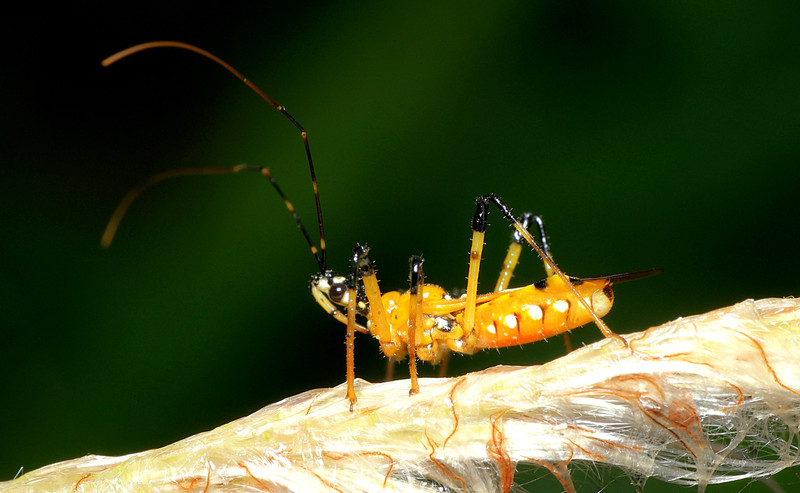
[
  {"x": 378, "y": 320},
  {"x": 351, "y": 330},
  {"x": 415, "y": 317}
]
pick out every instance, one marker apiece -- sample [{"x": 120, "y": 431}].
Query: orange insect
[{"x": 426, "y": 322}]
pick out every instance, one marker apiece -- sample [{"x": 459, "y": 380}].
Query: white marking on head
[{"x": 323, "y": 285}]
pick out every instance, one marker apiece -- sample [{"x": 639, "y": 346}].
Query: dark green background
[{"x": 646, "y": 135}]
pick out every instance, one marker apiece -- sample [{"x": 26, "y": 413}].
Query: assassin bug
[{"x": 426, "y": 322}]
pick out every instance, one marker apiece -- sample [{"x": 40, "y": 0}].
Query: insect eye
[{"x": 337, "y": 291}]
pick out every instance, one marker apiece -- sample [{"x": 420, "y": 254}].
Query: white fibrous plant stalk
[{"x": 704, "y": 399}]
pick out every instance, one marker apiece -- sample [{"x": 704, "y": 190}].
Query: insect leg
[
  {"x": 515, "y": 249},
  {"x": 479, "y": 222},
  {"x": 391, "y": 344},
  {"x": 443, "y": 364},
  {"x": 475, "y": 251},
  {"x": 351, "y": 330},
  {"x": 389, "y": 376},
  {"x": 417, "y": 281}
]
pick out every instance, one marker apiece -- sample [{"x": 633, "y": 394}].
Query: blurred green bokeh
[{"x": 645, "y": 135}]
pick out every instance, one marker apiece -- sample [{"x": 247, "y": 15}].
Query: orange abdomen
[{"x": 534, "y": 313}]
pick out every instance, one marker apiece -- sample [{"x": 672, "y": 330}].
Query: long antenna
[{"x": 108, "y": 235}]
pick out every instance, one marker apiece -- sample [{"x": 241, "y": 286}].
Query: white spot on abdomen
[
  {"x": 534, "y": 312},
  {"x": 561, "y": 306}
]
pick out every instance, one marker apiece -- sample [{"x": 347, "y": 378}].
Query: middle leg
[{"x": 415, "y": 314}]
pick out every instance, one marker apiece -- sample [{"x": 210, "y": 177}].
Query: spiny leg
[
  {"x": 379, "y": 327},
  {"x": 415, "y": 292},
  {"x": 479, "y": 223},
  {"x": 416, "y": 281},
  {"x": 545, "y": 243},
  {"x": 360, "y": 265},
  {"x": 351, "y": 330}
]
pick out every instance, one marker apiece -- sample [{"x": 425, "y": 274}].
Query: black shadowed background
[{"x": 645, "y": 135}]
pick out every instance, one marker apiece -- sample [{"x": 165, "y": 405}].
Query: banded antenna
[{"x": 124, "y": 205}]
